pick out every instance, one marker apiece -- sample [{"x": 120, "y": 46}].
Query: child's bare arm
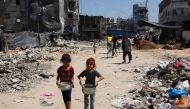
[
  {"x": 57, "y": 81},
  {"x": 99, "y": 79},
  {"x": 80, "y": 80},
  {"x": 72, "y": 81}
]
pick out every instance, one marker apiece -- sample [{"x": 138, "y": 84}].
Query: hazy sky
[{"x": 117, "y": 8}]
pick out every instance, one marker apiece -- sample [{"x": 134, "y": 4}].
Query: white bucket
[
  {"x": 64, "y": 86},
  {"x": 88, "y": 89}
]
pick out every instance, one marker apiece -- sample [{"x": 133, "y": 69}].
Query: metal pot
[{"x": 64, "y": 86}]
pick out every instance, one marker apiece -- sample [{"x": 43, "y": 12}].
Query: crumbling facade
[
  {"x": 39, "y": 15},
  {"x": 140, "y": 12},
  {"x": 92, "y": 27},
  {"x": 174, "y": 13},
  {"x": 72, "y": 15},
  {"x": 14, "y": 14}
]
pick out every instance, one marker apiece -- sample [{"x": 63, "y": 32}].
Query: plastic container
[
  {"x": 88, "y": 89},
  {"x": 64, "y": 86}
]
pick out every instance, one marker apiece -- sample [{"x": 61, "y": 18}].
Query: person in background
[
  {"x": 114, "y": 40},
  {"x": 109, "y": 41},
  {"x": 65, "y": 73},
  {"x": 90, "y": 73},
  {"x": 126, "y": 47},
  {"x": 94, "y": 47}
]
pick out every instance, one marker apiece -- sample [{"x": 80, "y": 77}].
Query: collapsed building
[
  {"x": 92, "y": 27},
  {"x": 140, "y": 12},
  {"x": 39, "y": 15}
]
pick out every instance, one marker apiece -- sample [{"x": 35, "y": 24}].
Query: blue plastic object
[{"x": 176, "y": 93}]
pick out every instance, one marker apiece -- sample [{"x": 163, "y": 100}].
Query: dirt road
[{"x": 119, "y": 79}]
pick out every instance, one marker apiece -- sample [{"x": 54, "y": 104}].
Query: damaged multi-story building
[
  {"x": 174, "y": 13},
  {"x": 92, "y": 27},
  {"x": 140, "y": 12},
  {"x": 39, "y": 15}
]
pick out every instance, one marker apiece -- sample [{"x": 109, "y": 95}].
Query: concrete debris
[
  {"x": 127, "y": 103},
  {"x": 137, "y": 70},
  {"x": 46, "y": 103},
  {"x": 118, "y": 102},
  {"x": 18, "y": 70},
  {"x": 18, "y": 101},
  {"x": 171, "y": 47},
  {"x": 148, "y": 45}
]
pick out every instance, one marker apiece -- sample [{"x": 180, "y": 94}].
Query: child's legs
[
  {"x": 86, "y": 101},
  {"x": 94, "y": 50},
  {"x": 92, "y": 100},
  {"x": 67, "y": 98},
  {"x": 68, "y": 104}
]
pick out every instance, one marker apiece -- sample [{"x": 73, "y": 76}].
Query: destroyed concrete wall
[
  {"x": 92, "y": 27},
  {"x": 14, "y": 14},
  {"x": 139, "y": 12},
  {"x": 23, "y": 40},
  {"x": 37, "y": 15},
  {"x": 44, "y": 15},
  {"x": 72, "y": 14}
]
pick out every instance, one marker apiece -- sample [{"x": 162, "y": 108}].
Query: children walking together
[
  {"x": 90, "y": 73},
  {"x": 65, "y": 73}
]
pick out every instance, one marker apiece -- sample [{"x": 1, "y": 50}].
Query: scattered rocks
[{"x": 18, "y": 70}]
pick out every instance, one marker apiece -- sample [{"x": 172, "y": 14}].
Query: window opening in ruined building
[
  {"x": 182, "y": 11},
  {"x": 17, "y": 2},
  {"x": 174, "y": 12},
  {"x": 7, "y": 15},
  {"x": 188, "y": 3},
  {"x": 168, "y": 13},
  {"x": 72, "y": 6},
  {"x": 70, "y": 16}
]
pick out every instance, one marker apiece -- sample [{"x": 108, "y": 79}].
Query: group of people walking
[
  {"x": 65, "y": 73},
  {"x": 126, "y": 46}
]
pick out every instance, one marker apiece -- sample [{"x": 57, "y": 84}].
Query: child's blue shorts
[{"x": 67, "y": 95}]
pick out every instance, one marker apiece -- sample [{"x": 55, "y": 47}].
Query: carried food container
[
  {"x": 64, "y": 86},
  {"x": 88, "y": 89}
]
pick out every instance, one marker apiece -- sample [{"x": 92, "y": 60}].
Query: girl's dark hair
[{"x": 65, "y": 57}]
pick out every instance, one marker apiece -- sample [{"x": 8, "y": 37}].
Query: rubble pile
[
  {"x": 167, "y": 85},
  {"x": 172, "y": 45},
  {"x": 21, "y": 70},
  {"x": 148, "y": 45}
]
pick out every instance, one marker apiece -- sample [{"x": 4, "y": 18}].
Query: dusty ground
[{"x": 119, "y": 79}]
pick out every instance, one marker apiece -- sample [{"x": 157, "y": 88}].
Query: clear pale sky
[{"x": 116, "y": 8}]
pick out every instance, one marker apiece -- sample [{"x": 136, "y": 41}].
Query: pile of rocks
[
  {"x": 171, "y": 47},
  {"x": 22, "y": 70},
  {"x": 148, "y": 45}
]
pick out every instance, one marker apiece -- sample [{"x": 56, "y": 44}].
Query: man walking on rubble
[{"x": 126, "y": 47}]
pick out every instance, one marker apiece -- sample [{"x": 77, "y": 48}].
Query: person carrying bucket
[
  {"x": 65, "y": 74},
  {"x": 90, "y": 73}
]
